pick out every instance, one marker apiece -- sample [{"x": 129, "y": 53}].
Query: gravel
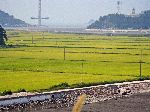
[{"x": 135, "y": 103}]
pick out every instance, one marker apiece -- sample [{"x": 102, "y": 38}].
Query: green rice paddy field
[{"x": 40, "y": 64}]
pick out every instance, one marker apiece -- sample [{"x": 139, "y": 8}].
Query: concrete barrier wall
[{"x": 66, "y": 98}]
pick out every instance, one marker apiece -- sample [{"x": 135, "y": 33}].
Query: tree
[{"x": 3, "y": 36}]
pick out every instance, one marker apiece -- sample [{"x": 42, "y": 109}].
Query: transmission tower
[
  {"x": 133, "y": 11},
  {"x": 39, "y": 18},
  {"x": 118, "y": 7}
]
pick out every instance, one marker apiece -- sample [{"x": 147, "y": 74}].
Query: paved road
[{"x": 136, "y": 103}]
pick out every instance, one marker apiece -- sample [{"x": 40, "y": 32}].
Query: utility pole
[
  {"x": 39, "y": 18},
  {"x": 64, "y": 53},
  {"x": 32, "y": 38},
  {"x": 82, "y": 74},
  {"x": 141, "y": 65},
  {"x": 43, "y": 35},
  {"x": 39, "y": 13}
]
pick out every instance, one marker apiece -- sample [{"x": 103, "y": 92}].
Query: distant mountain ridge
[
  {"x": 7, "y": 20},
  {"x": 121, "y": 21}
]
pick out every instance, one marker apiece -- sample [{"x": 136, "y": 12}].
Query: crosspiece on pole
[{"x": 39, "y": 18}]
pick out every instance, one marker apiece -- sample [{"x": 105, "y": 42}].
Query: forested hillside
[
  {"x": 7, "y": 20},
  {"x": 120, "y": 21}
]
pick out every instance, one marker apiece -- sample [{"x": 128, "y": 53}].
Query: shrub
[
  {"x": 80, "y": 85},
  {"x": 144, "y": 78},
  {"x": 21, "y": 90},
  {"x": 6, "y": 92},
  {"x": 60, "y": 86}
]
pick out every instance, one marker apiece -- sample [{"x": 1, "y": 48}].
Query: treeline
[
  {"x": 120, "y": 21},
  {"x": 7, "y": 20}
]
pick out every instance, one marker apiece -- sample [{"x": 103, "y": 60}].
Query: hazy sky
[{"x": 69, "y": 11}]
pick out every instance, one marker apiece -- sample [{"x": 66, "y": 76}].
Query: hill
[
  {"x": 121, "y": 21},
  {"x": 7, "y": 20}
]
